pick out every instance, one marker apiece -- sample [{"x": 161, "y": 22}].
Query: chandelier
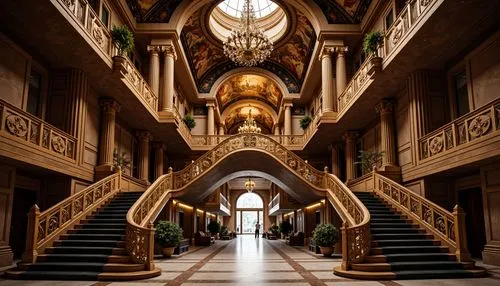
[
  {"x": 249, "y": 126},
  {"x": 249, "y": 185},
  {"x": 247, "y": 45}
]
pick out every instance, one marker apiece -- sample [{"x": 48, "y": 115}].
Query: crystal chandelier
[
  {"x": 249, "y": 185},
  {"x": 249, "y": 126},
  {"x": 247, "y": 45}
]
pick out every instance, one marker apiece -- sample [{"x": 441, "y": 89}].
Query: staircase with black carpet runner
[
  {"x": 93, "y": 250},
  {"x": 402, "y": 250}
]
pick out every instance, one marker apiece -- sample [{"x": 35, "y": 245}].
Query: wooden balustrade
[
  {"x": 36, "y": 133},
  {"x": 477, "y": 124},
  {"x": 45, "y": 227},
  {"x": 446, "y": 226}
]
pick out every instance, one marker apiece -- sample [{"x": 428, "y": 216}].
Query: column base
[
  {"x": 491, "y": 255},
  {"x": 6, "y": 256},
  {"x": 102, "y": 171}
]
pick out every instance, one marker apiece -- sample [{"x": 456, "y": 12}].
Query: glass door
[{"x": 249, "y": 220}]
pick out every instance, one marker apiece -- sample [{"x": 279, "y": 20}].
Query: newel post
[
  {"x": 170, "y": 172},
  {"x": 150, "y": 264},
  {"x": 345, "y": 247},
  {"x": 325, "y": 177},
  {"x": 30, "y": 253},
  {"x": 461, "y": 252}
]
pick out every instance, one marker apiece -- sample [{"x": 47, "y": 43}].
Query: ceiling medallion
[
  {"x": 247, "y": 46},
  {"x": 249, "y": 126},
  {"x": 249, "y": 185}
]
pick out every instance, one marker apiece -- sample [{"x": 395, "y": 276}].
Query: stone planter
[
  {"x": 326, "y": 250},
  {"x": 167, "y": 251},
  {"x": 375, "y": 66}
]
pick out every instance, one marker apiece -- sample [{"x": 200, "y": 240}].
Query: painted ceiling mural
[
  {"x": 237, "y": 116},
  {"x": 208, "y": 62},
  {"x": 153, "y": 11},
  {"x": 249, "y": 87},
  {"x": 343, "y": 11}
]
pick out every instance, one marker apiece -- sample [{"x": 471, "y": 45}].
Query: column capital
[
  {"x": 210, "y": 104},
  {"x": 144, "y": 135},
  {"x": 350, "y": 136},
  {"x": 169, "y": 50},
  {"x": 385, "y": 106},
  {"x": 153, "y": 49},
  {"x": 341, "y": 50},
  {"x": 287, "y": 104},
  {"x": 326, "y": 51},
  {"x": 159, "y": 146},
  {"x": 109, "y": 104}
]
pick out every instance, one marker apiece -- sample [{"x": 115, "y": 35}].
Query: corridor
[{"x": 249, "y": 261}]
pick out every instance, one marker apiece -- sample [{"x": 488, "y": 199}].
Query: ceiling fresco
[
  {"x": 343, "y": 11},
  {"x": 249, "y": 87},
  {"x": 237, "y": 116},
  {"x": 153, "y": 11},
  {"x": 207, "y": 61}
]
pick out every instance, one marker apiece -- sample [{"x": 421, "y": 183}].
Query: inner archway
[{"x": 249, "y": 212}]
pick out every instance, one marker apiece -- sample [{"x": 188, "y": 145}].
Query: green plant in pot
[
  {"x": 369, "y": 159},
  {"x": 123, "y": 38},
  {"x": 305, "y": 121},
  {"x": 121, "y": 162},
  {"x": 168, "y": 235},
  {"x": 274, "y": 229},
  {"x": 371, "y": 43},
  {"x": 224, "y": 231},
  {"x": 285, "y": 227},
  {"x": 214, "y": 227},
  {"x": 325, "y": 236},
  {"x": 189, "y": 121}
]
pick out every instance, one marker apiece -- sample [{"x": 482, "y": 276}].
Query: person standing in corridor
[{"x": 257, "y": 228}]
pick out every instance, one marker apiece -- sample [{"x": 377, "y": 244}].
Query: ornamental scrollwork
[
  {"x": 436, "y": 145},
  {"x": 479, "y": 126},
  {"x": 440, "y": 224},
  {"x": 398, "y": 33},
  {"x": 16, "y": 125},
  {"x": 58, "y": 144},
  {"x": 424, "y": 3},
  {"x": 70, "y": 4},
  {"x": 97, "y": 33},
  {"x": 136, "y": 245}
]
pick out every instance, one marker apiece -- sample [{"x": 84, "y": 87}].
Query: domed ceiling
[
  {"x": 237, "y": 116},
  {"x": 249, "y": 87},
  {"x": 343, "y": 11},
  {"x": 153, "y": 11}
]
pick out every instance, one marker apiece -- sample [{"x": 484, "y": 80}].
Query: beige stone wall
[
  {"x": 15, "y": 68},
  {"x": 91, "y": 137},
  {"x": 403, "y": 132},
  {"x": 201, "y": 125}
]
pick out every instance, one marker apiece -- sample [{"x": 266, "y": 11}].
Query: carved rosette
[
  {"x": 16, "y": 125},
  {"x": 436, "y": 145},
  {"x": 424, "y": 3},
  {"x": 58, "y": 144},
  {"x": 397, "y": 34},
  {"x": 97, "y": 33},
  {"x": 479, "y": 126}
]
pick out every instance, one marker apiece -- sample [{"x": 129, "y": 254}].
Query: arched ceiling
[
  {"x": 235, "y": 117},
  {"x": 153, "y": 11},
  {"x": 249, "y": 86},
  {"x": 343, "y": 11}
]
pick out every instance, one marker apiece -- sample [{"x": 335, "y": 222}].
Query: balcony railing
[
  {"x": 481, "y": 122},
  {"x": 36, "y": 133},
  {"x": 275, "y": 201},
  {"x": 224, "y": 203}
]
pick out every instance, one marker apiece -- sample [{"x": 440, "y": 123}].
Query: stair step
[
  {"x": 405, "y": 242},
  {"x": 108, "y": 216},
  {"x": 399, "y": 257},
  {"x": 104, "y": 220},
  {"x": 102, "y": 225},
  {"x": 90, "y": 243},
  {"x": 385, "y": 216},
  {"x": 97, "y": 231},
  {"x": 397, "y": 230},
  {"x": 375, "y": 208},
  {"x": 406, "y": 249},
  {"x": 53, "y": 275},
  {"x": 103, "y": 258},
  {"x": 389, "y": 236},
  {"x": 88, "y": 266},
  {"x": 94, "y": 236},
  {"x": 413, "y": 265},
  {"x": 439, "y": 274},
  {"x": 382, "y": 211},
  {"x": 86, "y": 250},
  {"x": 99, "y": 212},
  {"x": 389, "y": 220},
  {"x": 396, "y": 224}
]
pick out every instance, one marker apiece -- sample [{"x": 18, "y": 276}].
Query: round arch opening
[{"x": 249, "y": 213}]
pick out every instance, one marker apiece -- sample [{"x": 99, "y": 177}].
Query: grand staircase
[
  {"x": 93, "y": 250},
  {"x": 402, "y": 250}
]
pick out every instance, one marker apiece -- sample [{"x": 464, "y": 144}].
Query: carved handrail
[
  {"x": 140, "y": 232},
  {"x": 45, "y": 227},
  {"x": 37, "y": 133},
  {"x": 446, "y": 226},
  {"x": 356, "y": 239},
  {"x": 182, "y": 127},
  {"x": 471, "y": 126}
]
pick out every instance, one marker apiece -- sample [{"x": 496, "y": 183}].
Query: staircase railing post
[
  {"x": 30, "y": 253},
  {"x": 325, "y": 177},
  {"x": 345, "y": 247},
  {"x": 461, "y": 252},
  {"x": 150, "y": 265}
]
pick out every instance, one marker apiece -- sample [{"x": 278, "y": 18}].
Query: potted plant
[
  {"x": 274, "y": 229},
  {"x": 285, "y": 227},
  {"x": 369, "y": 159},
  {"x": 168, "y": 235},
  {"x": 123, "y": 38},
  {"x": 189, "y": 121},
  {"x": 214, "y": 227},
  {"x": 305, "y": 121},
  {"x": 120, "y": 161},
  {"x": 325, "y": 236},
  {"x": 371, "y": 44}
]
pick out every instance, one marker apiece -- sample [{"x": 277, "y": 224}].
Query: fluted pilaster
[
  {"x": 159, "y": 158},
  {"x": 327, "y": 79},
  {"x": 144, "y": 138},
  {"x": 387, "y": 133},
  {"x": 288, "y": 119},
  {"x": 350, "y": 138},
  {"x": 211, "y": 118},
  {"x": 341, "y": 73},
  {"x": 335, "y": 148},
  {"x": 167, "y": 98},
  {"x": 109, "y": 108},
  {"x": 154, "y": 68}
]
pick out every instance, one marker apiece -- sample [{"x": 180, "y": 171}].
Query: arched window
[{"x": 249, "y": 201}]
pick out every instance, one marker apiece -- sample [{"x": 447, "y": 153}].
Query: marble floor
[{"x": 249, "y": 261}]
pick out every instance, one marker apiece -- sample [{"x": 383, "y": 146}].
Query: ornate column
[
  {"x": 387, "y": 133},
  {"x": 350, "y": 138},
  {"x": 154, "y": 69},
  {"x": 167, "y": 98},
  {"x": 211, "y": 119},
  {"x": 277, "y": 129},
  {"x": 288, "y": 118},
  {"x": 159, "y": 158},
  {"x": 335, "y": 147},
  {"x": 109, "y": 108},
  {"x": 221, "y": 129},
  {"x": 329, "y": 99},
  {"x": 341, "y": 74},
  {"x": 144, "y": 137}
]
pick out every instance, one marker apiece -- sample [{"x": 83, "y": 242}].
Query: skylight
[{"x": 234, "y": 8}]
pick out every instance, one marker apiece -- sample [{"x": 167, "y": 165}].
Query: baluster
[
  {"x": 345, "y": 247},
  {"x": 150, "y": 265},
  {"x": 408, "y": 13},
  {"x": 461, "y": 252},
  {"x": 40, "y": 134},
  {"x": 493, "y": 118},
  {"x": 30, "y": 253}
]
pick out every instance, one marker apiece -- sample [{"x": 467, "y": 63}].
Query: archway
[{"x": 249, "y": 212}]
